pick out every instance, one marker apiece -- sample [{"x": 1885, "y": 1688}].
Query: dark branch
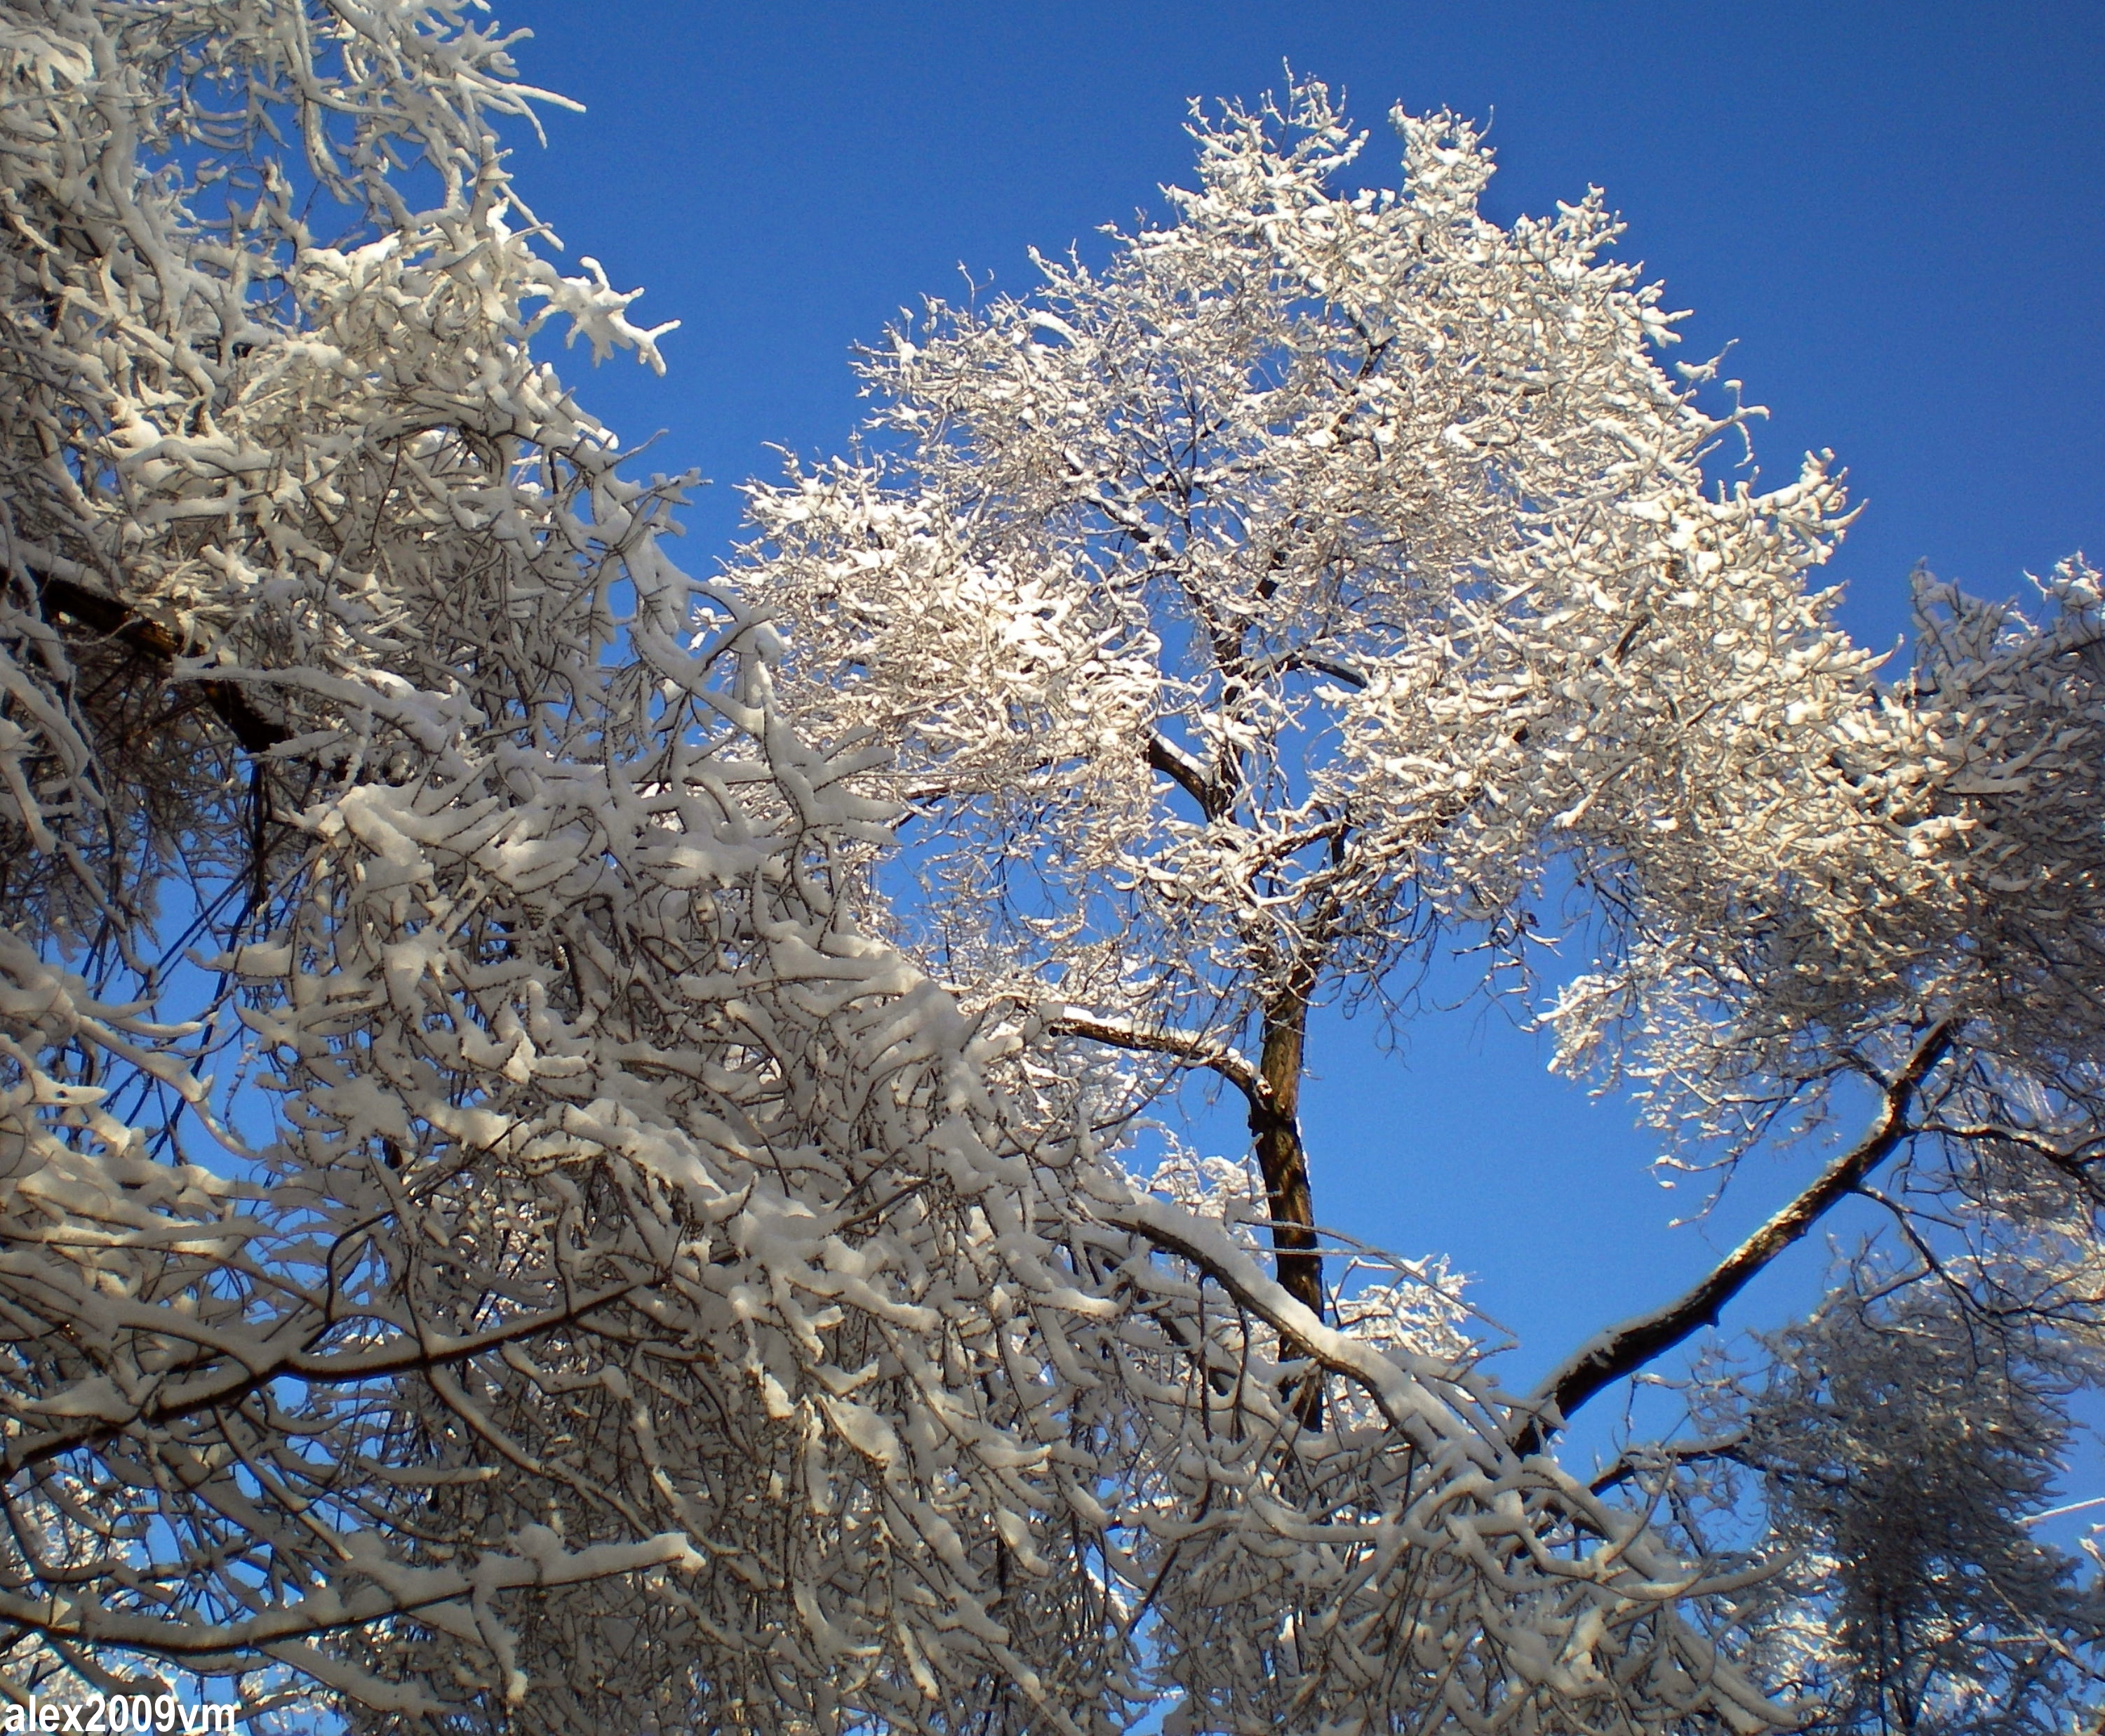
[
  {"x": 1164, "y": 756},
  {"x": 256, "y": 732},
  {"x": 1312, "y": 663},
  {"x": 235, "y": 1379},
  {"x": 1638, "y": 1461},
  {"x": 1624, "y": 1349}
]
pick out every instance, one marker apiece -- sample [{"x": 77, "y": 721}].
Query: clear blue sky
[{"x": 1896, "y": 213}]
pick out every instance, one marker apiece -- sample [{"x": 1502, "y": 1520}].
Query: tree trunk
[{"x": 1275, "y": 1126}]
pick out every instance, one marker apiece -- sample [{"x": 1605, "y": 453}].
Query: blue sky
[{"x": 1896, "y": 213}]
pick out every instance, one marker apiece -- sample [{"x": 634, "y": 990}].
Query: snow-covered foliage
[
  {"x": 1189, "y": 588},
  {"x": 488, "y": 1240},
  {"x": 1825, "y": 871}
]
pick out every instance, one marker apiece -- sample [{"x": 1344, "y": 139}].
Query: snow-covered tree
[
  {"x": 1332, "y": 568},
  {"x": 487, "y": 1239},
  {"x": 1223, "y": 601}
]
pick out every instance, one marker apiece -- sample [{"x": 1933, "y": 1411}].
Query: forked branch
[{"x": 256, "y": 732}]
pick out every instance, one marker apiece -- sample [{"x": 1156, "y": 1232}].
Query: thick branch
[
  {"x": 1624, "y": 1349},
  {"x": 1164, "y": 756},
  {"x": 1272, "y": 1090},
  {"x": 1274, "y": 1124},
  {"x": 1193, "y": 1046},
  {"x": 1312, "y": 663},
  {"x": 256, "y": 732}
]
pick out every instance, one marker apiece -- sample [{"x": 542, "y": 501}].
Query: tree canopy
[{"x": 503, "y": 1227}]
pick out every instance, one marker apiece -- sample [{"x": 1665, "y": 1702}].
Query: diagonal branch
[
  {"x": 1624, "y": 1349},
  {"x": 1307, "y": 662},
  {"x": 1435, "y": 1424},
  {"x": 1193, "y": 1048}
]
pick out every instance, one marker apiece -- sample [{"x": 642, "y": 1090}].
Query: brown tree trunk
[{"x": 1274, "y": 1124}]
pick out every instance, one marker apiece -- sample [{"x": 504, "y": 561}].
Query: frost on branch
[{"x": 487, "y": 1240}]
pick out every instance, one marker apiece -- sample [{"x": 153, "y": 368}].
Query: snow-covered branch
[{"x": 1190, "y": 1047}]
